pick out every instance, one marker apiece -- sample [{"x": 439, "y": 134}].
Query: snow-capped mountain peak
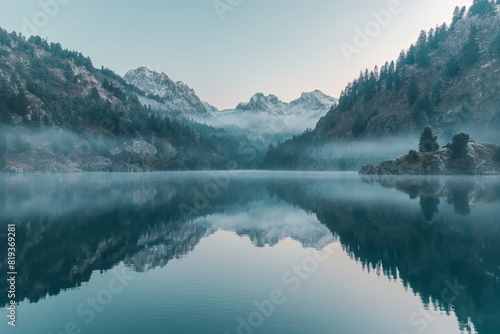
[
  {"x": 266, "y": 116},
  {"x": 150, "y": 81},
  {"x": 164, "y": 94},
  {"x": 314, "y": 100},
  {"x": 263, "y": 115},
  {"x": 307, "y": 103},
  {"x": 261, "y": 102}
]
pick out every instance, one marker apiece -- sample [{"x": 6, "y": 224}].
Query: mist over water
[
  {"x": 203, "y": 247},
  {"x": 351, "y": 155}
]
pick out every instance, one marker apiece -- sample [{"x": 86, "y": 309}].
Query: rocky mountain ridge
[
  {"x": 164, "y": 94},
  {"x": 264, "y": 118}
]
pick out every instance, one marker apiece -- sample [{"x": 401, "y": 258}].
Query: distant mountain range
[
  {"x": 307, "y": 103},
  {"x": 267, "y": 118},
  {"x": 264, "y": 117}
]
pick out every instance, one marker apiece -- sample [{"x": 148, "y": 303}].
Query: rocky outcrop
[{"x": 481, "y": 159}]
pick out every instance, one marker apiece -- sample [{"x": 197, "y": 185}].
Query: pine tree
[
  {"x": 371, "y": 87},
  {"x": 459, "y": 145},
  {"x": 471, "y": 51},
  {"x": 422, "y": 58},
  {"x": 436, "y": 89},
  {"x": 481, "y": 7},
  {"x": 400, "y": 63},
  {"x": 428, "y": 141},
  {"x": 21, "y": 104},
  {"x": 433, "y": 39},
  {"x": 384, "y": 72},
  {"x": 413, "y": 90},
  {"x": 458, "y": 14},
  {"x": 452, "y": 68},
  {"x": 400, "y": 78},
  {"x": 422, "y": 109},
  {"x": 94, "y": 94},
  {"x": 391, "y": 76},
  {"x": 358, "y": 127},
  {"x": 436, "y": 40},
  {"x": 410, "y": 55}
]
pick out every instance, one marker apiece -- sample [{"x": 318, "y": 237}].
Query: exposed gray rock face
[
  {"x": 164, "y": 94},
  {"x": 482, "y": 159}
]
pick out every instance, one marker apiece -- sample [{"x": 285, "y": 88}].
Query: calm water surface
[{"x": 252, "y": 252}]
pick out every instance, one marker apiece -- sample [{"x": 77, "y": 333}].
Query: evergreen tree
[
  {"x": 481, "y": 7},
  {"x": 384, "y": 73},
  {"x": 471, "y": 51},
  {"x": 422, "y": 58},
  {"x": 459, "y": 145},
  {"x": 428, "y": 141},
  {"x": 391, "y": 76},
  {"x": 413, "y": 90},
  {"x": 433, "y": 39},
  {"x": 358, "y": 127},
  {"x": 458, "y": 14},
  {"x": 21, "y": 104},
  {"x": 436, "y": 89},
  {"x": 371, "y": 87},
  {"x": 452, "y": 68},
  {"x": 106, "y": 84},
  {"x": 422, "y": 110},
  {"x": 94, "y": 94},
  {"x": 410, "y": 55},
  {"x": 400, "y": 63},
  {"x": 438, "y": 37}
]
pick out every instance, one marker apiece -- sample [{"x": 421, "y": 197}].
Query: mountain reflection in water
[{"x": 426, "y": 232}]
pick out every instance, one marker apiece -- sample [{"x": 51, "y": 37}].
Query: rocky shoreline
[{"x": 480, "y": 159}]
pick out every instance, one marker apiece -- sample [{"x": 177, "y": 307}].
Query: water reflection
[
  {"x": 69, "y": 226},
  {"x": 380, "y": 229},
  {"x": 460, "y": 192}
]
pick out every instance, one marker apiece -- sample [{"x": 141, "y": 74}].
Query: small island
[{"x": 462, "y": 156}]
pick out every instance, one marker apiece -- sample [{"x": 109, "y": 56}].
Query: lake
[{"x": 252, "y": 252}]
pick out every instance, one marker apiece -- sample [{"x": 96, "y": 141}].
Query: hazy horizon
[{"x": 228, "y": 51}]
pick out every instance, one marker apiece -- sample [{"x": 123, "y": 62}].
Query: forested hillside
[
  {"x": 59, "y": 113},
  {"x": 448, "y": 79}
]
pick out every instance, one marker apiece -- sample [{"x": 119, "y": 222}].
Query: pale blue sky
[{"x": 283, "y": 47}]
